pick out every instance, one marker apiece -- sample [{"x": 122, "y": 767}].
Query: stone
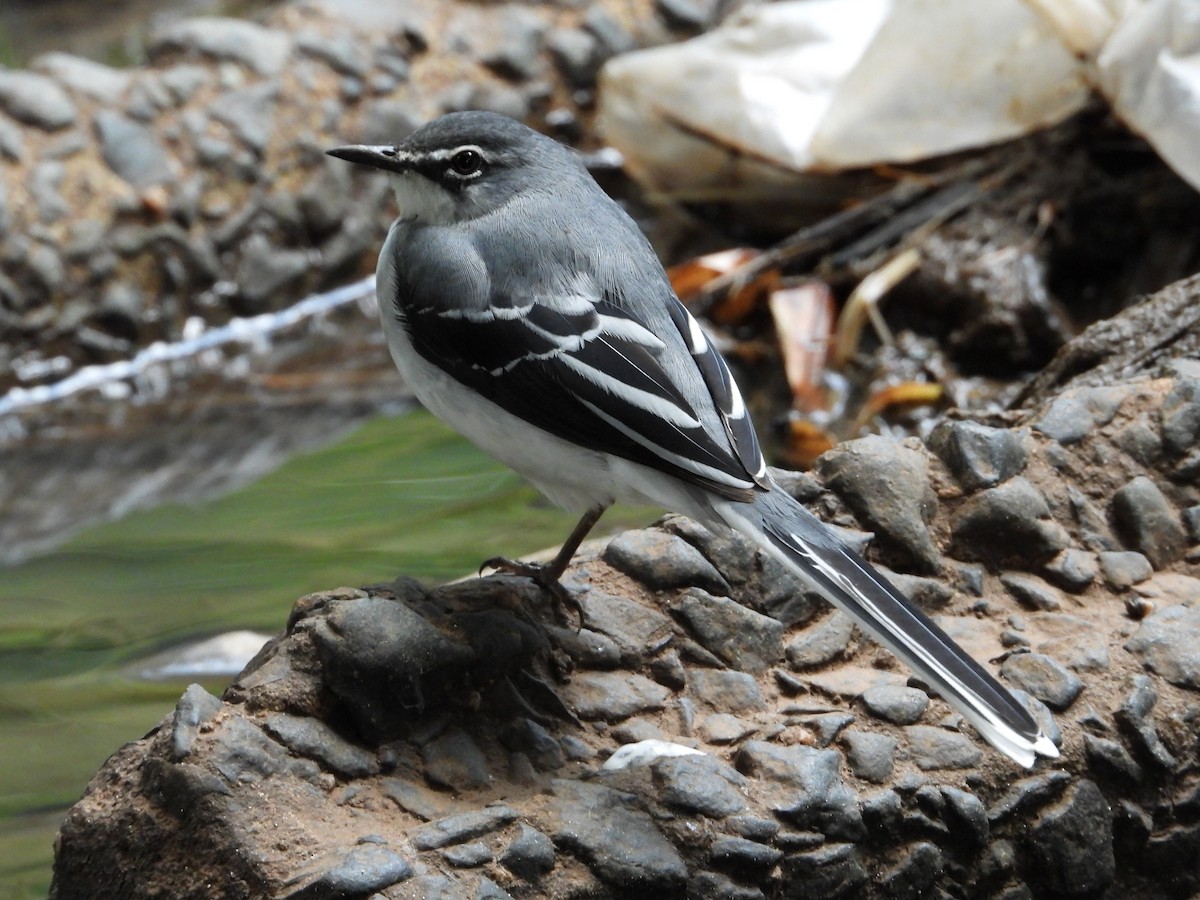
[
  {"x": 1074, "y": 414},
  {"x": 468, "y": 856},
  {"x": 754, "y": 828},
  {"x": 195, "y": 708},
  {"x": 978, "y": 456},
  {"x": 249, "y": 112},
  {"x": 851, "y": 682},
  {"x": 462, "y": 828},
  {"x": 886, "y": 484},
  {"x": 1073, "y": 569},
  {"x": 414, "y": 798},
  {"x": 833, "y": 871},
  {"x": 722, "y": 728},
  {"x": 98, "y": 81},
  {"x": 1026, "y": 794},
  {"x": 12, "y": 141},
  {"x": 1008, "y": 522},
  {"x": 342, "y": 51},
  {"x": 927, "y": 594},
  {"x": 915, "y": 874},
  {"x": 577, "y": 55},
  {"x": 740, "y": 853},
  {"x": 45, "y": 181},
  {"x": 613, "y": 696},
  {"x": 898, "y": 705},
  {"x": 822, "y": 800},
  {"x": 132, "y": 150},
  {"x": 243, "y": 754},
  {"x": 871, "y": 756},
  {"x": 1110, "y": 761},
  {"x": 827, "y": 727},
  {"x": 1074, "y": 641},
  {"x": 619, "y": 843},
  {"x": 663, "y": 561},
  {"x": 1123, "y": 568},
  {"x": 365, "y": 869},
  {"x": 312, "y": 738},
  {"x": 608, "y": 31},
  {"x": 637, "y": 629},
  {"x": 1044, "y": 678},
  {"x": 936, "y": 748},
  {"x": 454, "y": 760},
  {"x": 529, "y": 737},
  {"x": 966, "y": 816},
  {"x": 682, "y": 15},
  {"x": 742, "y": 638},
  {"x": 1071, "y": 845},
  {"x": 820, "y": 645},
  {"x": 266, "y": 272},
  {"x": 35, "y": 100},
  {"x": 516, "y": 53},
  {"x": 726, "y": 691},
  {"x": 1032, "y": 591},
  {"x": 699, "y": 784},
  {"x": 1168, "y": 643},
  {"x": 529, "y": 855},
  {"x": 1148, "y": 522},
  {"x": 265, "y": 50},
  {"x": 1180, "y": 416}
]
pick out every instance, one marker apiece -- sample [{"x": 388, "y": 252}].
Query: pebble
[
  {"x": 726, "y": 691},
  {"x": 822, "y": 800},
  {"x": 1009, "y": 521},
  {"x": 886, "y": 484},
  {"x": 822, "y": 644},
  {"x": 577, "y": 55},
  {"x": 529, "y": 737},
  {"x": 929, "y": 594},
  {"x": 930, "y": 747},
  {"x": 364, "y": 869},
  {"x": 871, "y": 756},
  {"x": 700, "y": 784},
  {"x": 415, "y": 798},
  {"x": 462, "y": 828},
  {"x": 589, "y": 649},
  {"x": 610, "y": 33},
  {"x": 454, "y": 760},
  {"x": 825, "y": 728},
  {"x": 722, "y": 728},
  {"x": 529, "y": 855},
  {"x": 35, "y": 100},
  {"x": 132, "y": 150},
  {"x": 195, "y": 708},
  {"x": 915, "y": 874},
  {"x": 516, "y": 54},
  {"x": 1148, "y": 522},
  {"x": 1044, "y": 678},
  {"x": 12, "y": 141},
  {"x": 264, "y": 50},
  {"x": 249, "y": 113},
  {"x": 682, "y": 15},
  {"x": 45, "y": 179},
  {"x": 742, "y": 638},
  {"x": 814, "y": 874},
  {"x": 979, "y": 456},
  {"x": 588, "y": 817},
  {"x": 1124, "y": 568},
  {"x": 1073, "y": 569},
  {"x": 882, "y": 813},
  {"x": 1074, "y": 414},
  {"x": 613, "y": 696},
  {"x": 1168, "y": 643},
  {"x": 898, "y": 705},
  {"x": 267, "y": 272},
  {"x": 242, "y": 753},
  {"x": 663, "y": 561},
  {"x": 468, "y": 856},
  {"x": 342, "y": 51},
  {"x": 1026, "y": 794},
  {"x": 1032, "y": 591},
  {"x": 1111, "y": 761},
  {"x": 739, "y": 853},
  {"x": 967, "y": 817},
  {"x": 1071, "y": 846},
  {"x": 312, "y": 738},
  {"x": 98, "y": 81},
  {"x": 1180, "y": 415}
]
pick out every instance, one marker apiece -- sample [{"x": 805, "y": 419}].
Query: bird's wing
[{"x": 581, "y": 365}]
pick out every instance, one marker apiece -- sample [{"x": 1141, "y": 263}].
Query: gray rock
[
  {"x": 1071, "y": 845},
  {"x": 1181, "y": 416},
  {"x": 462, "y": 828},
  {"x": 682, "y": 15},
  {"x": 827, "y": 727},
  {"x": 1148, "y": 522},
  {"x": 821, "y": 645},
  {"x": 936, "y": 748},
  {"x": 530, "y": 855},
  {"x": 741, "y": 853},
  {"x": 637, "y": 630},
  {"x": 195, "y": 708},
  {"x": 589, "y": 819},
  {"x": 1075, "y": 413},
  {"x": 719, "y": 886},
  {"x": 263, "y": 49},
  {"x": 887, "y": 486},
  {"x": 35, "y": 100},
  {"x": 929, "y": 594},
  {"x": 183, "y": 81},
  {"x": 835, "y": 870},
  {"x": 966, "y": 816},
  {"x": 898, "y": 705},
  {"x": 342, "y": 51},
  {"x": 882, "y": 814},
  {"x": 1110, "y": 761},
  {"x": 12, "y": 141},
  {"x": 1123, "y": 568},
  {"x": 699, "y": 784},
  {"x": 100, "y": 82},
  {"x": 871, "y": 756},
  {"x": 722, "y": 728},
  {"x": 265, "y": 270},
  {"x": 249, "y": 113},
  {"x": 1073, "y": 569},
  {"x": 1191, "y": 521},
  {"x": 417, "y": 799},
  {"x": 608, "y": 31},
  {"x": 1168, "y": 643},
  {"x": 131, "y": 150},
  {"x": 310, "y": 737},
  {"x": 148, "y": 97},
  {"x": 1044, "y": 678},
  {"x": 726, "y": 691},
  {"x": 663, "y": 561},
  {"x": 754, "y": 828},
  {"x": 577, "y": 55},
  {"x": 1027, "y": 794},
  {"x": 914, "y": 875},
  {"x": 978, "y": 456},
  {"x": 742, "y": 638},
  {"x": 366, "y": 868},
  {"x": 1009, "y": 521},
  {"x": 528, "y": 737},
  {"x": 612, "y": 696},
  {"x": 516, "y": 53},
  {"x": 44, "y": 182},
  {"x": 242, "y": 753},
  {"x": 454, "y": 760},
  {"x": 1078, "y": 644},
  {"x": 1032, "y": 591},
  {"x": 822, "y": 800},
  {"x": 468, "y": 856},
  {"x": 588, "y": 649},
  {"x": 389, "y": 121}
]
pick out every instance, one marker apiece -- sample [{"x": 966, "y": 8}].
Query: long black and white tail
[{"x": 787, "y": 530}]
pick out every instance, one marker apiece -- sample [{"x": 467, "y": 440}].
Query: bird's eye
[{"x": 467, "y": 162}]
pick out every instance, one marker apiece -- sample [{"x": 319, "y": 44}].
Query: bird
[{"x": 526, "y": 309}]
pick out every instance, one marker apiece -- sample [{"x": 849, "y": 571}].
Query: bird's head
[{"x": 464, "y": 165}]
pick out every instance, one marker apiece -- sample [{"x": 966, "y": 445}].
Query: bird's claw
[{"x": 544, "y": 577}]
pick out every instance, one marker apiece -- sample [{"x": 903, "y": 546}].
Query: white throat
[{"x": 422, "y": 200}]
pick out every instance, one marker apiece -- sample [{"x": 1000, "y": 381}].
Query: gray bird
[{"x": 526, "y": 310}]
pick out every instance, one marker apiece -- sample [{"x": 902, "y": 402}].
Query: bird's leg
[{"x": 547, "y": 575}]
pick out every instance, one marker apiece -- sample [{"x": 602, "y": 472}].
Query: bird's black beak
[{"x": 382, "y": 157}]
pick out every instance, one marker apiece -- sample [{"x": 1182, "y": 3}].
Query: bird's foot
[{"x": 544, "y": 576}]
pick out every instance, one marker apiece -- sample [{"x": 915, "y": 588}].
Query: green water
[{"x": 401, "y": 495}]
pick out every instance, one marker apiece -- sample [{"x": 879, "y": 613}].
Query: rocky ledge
[{"x": 710, "y": 731}]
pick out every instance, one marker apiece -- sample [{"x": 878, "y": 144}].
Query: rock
[
  {"x": 851, "y": 682},
  {"x": 1073, "y": 569},
  {"x": 1168, "y": 643},
  {"x": 1148, "y": 522},
  {"x": 265, "y": 271},
  {"x": 682, "y": 15},
  {"x": 249, "y": 113},
  {"x": 827, "y": 727},
  {"x": 1008, "y": 522},
  {"x": 243, "y": 754},
  {"x": 608, "y": 31},
  {"x": 1044, "y": 678},
  {"x": 898, "y": 705},
  {"x": 366, "y": 868},
  {"x": 1123, "y": 568},
  {"x": 12, "y": 144},
  {"x": 741, "y": 853},
  {"x": 454, "y": 760},
  {"x": 131, "y": 150},
  {"x": 726, "y": 691},
  {"x": 577, "y": 55},
  {"x": 100, "y": 82},
  {"x": 637, "y": 630},
  {"x": 699, "y": 784},
  {"x": 468, "y": 856},
  {"x": 722, "y": 728},
  {"x": 314, "y": 739},
  {"x": 1181, "y": 416},
  {"x": 1032, "y": 591},
  {"x": 915, "y": 874},
  {"x": 928, "y": 594},
  {"x": 871, "y": 756},
  {"x": 1077, "y": 642},
  {"x": 35, "y": 100},
  {"x": 966, "y": 816},
  {"x": 746, "y": 640},
  {"x": 1110, "y": 761},
  {"x": 833, "y": 871},
  {"x": 462, "y": 828},
  {"x": 342, "y": 51},
  {"x": 823, "y": 801},
  {"x": 516, "y": 54},
  {"x": 612, "y": 696},
  {"x": 663, "y": 561},
  {"x": 530, "y": 855},
  {"x": 195, "y": 708},
  {"x": 588, "y": 649},
  {"x": 528, "y": 737},
  {"x": 887, "y": 486},
  {"x": 1027, "y": 794},
  {"x": 978, "y": 456},
  {"x": 821, "y": 645},
  {"x": 1075, "y": 413},
  {"x": 1071, "y": 845},
  {"x": 882, "y": 813},
  {"x": 937, "y": 748},
  {"x": 416, "y": 799},
  {"x": 44, "y": 184},
  {"x": 262, "y": 49},
  {"x": 589, "y": 816}
]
